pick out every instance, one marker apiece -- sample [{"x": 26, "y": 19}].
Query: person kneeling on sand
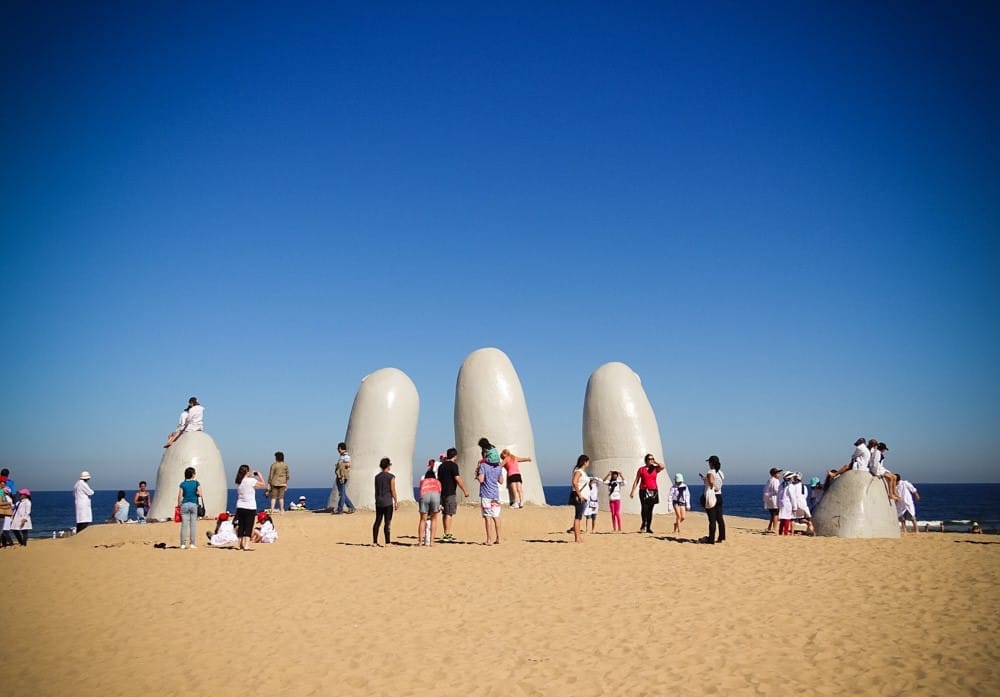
[
  {"x": 266, "y": 532},
  {"x": 225, "y": 534}
]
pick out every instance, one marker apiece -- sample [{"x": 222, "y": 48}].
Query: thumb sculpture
[
  {"x": 856, "y": 505},
  {"x": 489, "y": 403},
  {"x": 619, "y": 428},
  {"x": 383, "y": 424},
  {"x": 193, "y": 449}
]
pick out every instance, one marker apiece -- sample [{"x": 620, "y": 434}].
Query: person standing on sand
[
  {"x": 192, "y": 419},
  {"x": 451, "y": 481},
  {"x": 579, "y": 495},
  {"x": 20, "y": 523},
  {"x": 385, "y": 501},
  {"x": 649, "y": 492},
  {"x": 615, "y": 482},
  {"x": 771, "y": 499},
  {"x": 511, "y": 463},
  {"x": 489, "y": 474},
  {"x": 141, "y": 503},
  {"x": 188, "y": 495},
  {"x": 8, "y": 494},
  {"x": 81, "y": 497},
  {"x": 905, "y": 508},
  {"x": 715, "y": 517},
  {"x": 343, "y": 475},
  {"x": 430, "y": 504},
  {"x": 680, "y": 499},
  {"x": 247, "y": 483},
  {"x": 277, "y": 481}
]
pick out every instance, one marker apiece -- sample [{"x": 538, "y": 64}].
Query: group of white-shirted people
[{"x": 788, "y": 500}]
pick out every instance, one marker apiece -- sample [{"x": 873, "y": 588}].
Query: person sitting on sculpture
[
  {"x": 859, "y": 460},
  {"x": 191, "y": 419},
  {"x": 868, "y": 455},
  {"x": 877, "y": 467}
]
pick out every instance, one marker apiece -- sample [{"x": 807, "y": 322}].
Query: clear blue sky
[{"x": 783, "y": 217}]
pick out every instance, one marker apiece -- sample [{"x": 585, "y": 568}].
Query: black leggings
[
  {"x": 648, "y": 501},
  {"x": 5, "y": 540},
  {"x": 382, "y": 513},
  {"x": 715, "y": 519},
  {"x": 244, "y": 521},
  {"x": 22, "y": 537}
]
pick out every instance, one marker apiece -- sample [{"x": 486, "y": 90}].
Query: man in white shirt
[
  {"x": 905, "y": 508},
  {"x": 771, "y": 499},
  {"x": 81, "y": 496},
  {"x": 859, "y": 460}
]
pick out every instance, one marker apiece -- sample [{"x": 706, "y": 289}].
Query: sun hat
[
  {"x": 789, "y": 475},
  {"x": 302, "y": 498},
  {"x": 85, "y": 475},
  {"x": 262, "y": 516},
  {"x": 25, "y": 492},
  {"x": 679, "y": 478},
  {"x": 814, "y": 482}
]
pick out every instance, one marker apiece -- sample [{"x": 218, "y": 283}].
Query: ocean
[{"x": 945, "y": 507}]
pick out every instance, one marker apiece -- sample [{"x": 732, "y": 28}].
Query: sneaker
[{"x": 184, "y": 546}]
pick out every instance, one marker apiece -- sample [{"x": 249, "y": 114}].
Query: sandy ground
[{"x": 321, "y": 612}]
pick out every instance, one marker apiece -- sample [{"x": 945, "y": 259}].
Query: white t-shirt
[
  {"x": 861, "y": 457},
  {"x": 267, "y": 532},
  {"x": 615, "y": 489},
  {"x": 192, "y": 419},
  {"x": 905, "y": 492},
  {"x": 246, "y": 496},
  {"x": 771, "y": 492},
  {"x": 81, "y": 495}
]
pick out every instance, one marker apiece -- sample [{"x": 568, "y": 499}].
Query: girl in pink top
[{"x": 510, "y": 463}]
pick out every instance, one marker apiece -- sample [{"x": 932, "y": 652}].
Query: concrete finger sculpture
[
  {"x": 193, "y": 449},
  {"x": 619, "y": 428},
  {"x": 856, "y": 505},
  {"x": 383, "y": 424},
  {"x": 489, "y": 403}
]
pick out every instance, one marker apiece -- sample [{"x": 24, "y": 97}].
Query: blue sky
[{"x": 783, "y": 217}]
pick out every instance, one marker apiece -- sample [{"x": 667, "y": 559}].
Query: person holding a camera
[{"x": 246, "y": 502}]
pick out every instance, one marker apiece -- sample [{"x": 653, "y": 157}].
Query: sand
[{"x": 321, "y": 612}]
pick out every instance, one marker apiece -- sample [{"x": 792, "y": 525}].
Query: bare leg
[
  {"x": 577, "y": 537},
  {"x": 434, "y": 527},
  {"x": 447, "y": 524}
]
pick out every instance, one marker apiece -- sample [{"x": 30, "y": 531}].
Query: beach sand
[{"x": 321, "y": 612}]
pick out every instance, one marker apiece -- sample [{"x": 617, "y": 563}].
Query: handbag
[
  {"x": 708, "y": 499},
  {"x": 5, "y": 508},
  {"x": 650, "y": 495},
  {"x": 201, "y": 508}
]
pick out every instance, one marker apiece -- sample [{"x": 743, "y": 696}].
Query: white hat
[
  {"x": 302, "y": 498},
  {"x": 85, "y": 475}
]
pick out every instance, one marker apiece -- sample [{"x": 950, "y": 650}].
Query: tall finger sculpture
[
  {"x": 489, "y": 403},
  {"x": 619, "y": 428},
  {"x": 383, "y": 424}
]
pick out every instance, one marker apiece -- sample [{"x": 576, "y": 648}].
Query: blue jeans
[
  {"x": 342, "y": 497},
  {"x": 189, "y": 520}
]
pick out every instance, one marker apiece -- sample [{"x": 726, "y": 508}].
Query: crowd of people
[{"x": 786, "y": 497}]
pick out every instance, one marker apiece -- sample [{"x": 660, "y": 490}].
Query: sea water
[{"x": 951, "y": 507}]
